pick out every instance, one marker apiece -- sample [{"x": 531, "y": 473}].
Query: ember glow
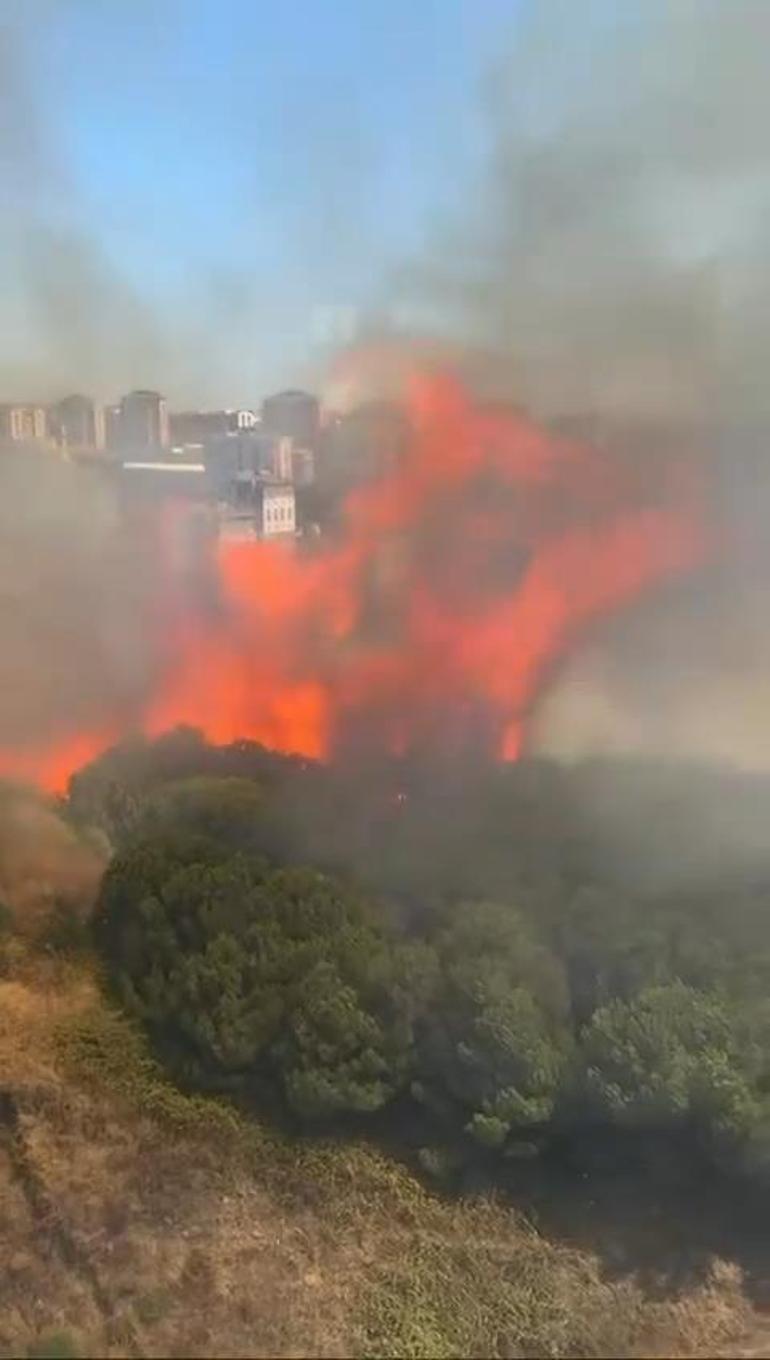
[{"x": 438, "y": 615}]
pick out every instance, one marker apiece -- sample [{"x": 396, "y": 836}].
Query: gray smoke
[
  {"x": 43, "y": 861},
  {"x": 615, "y": 253},
  {"x": 76, "y": 592},
  {"x": 618, "y": 254},
  {"x": 70, "y": 317},
  {"x": 76, "y": 314}
]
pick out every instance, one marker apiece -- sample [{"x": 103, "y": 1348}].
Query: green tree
[
  {"x": 680, "y": 1060},
  {"x": 494, "y": 1044},
  {"x": 252, "y": 979}
]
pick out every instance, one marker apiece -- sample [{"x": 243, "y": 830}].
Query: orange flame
[{"x": 461, "y": 577}]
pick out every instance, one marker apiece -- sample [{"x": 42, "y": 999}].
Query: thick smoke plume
[
  {"x": 79, "y": 649},
  {"x": 617, "y": 251},
  {"x": 616, "y": 262}
]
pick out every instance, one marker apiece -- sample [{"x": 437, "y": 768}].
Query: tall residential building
[
  {"x": 22, "y": 424},
  {"x": 294, "y": 414},
  {"x": 143, "y": 423},
  {"x": 76, "y": 423}
]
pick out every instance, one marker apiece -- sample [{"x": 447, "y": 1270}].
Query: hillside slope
[{"x": 137, "y": 1221}]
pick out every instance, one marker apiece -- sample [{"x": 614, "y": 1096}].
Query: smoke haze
[
  {"x": 42, "y": 861},
  {"x": 618, "y": 258},
  {"x": 71, "y": 318},
  {"x": 157, "y": 230},
  {"x": 75, "y": 607},
  {"x": 617, "y": 251}
]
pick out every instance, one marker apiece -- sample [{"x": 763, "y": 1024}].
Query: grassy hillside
[{"x": 138, "y": 1221}]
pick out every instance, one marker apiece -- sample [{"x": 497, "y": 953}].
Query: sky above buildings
[{"x": 202, "y": 193}]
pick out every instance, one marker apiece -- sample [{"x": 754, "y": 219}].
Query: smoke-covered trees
[
  {"x": 497, "y": 980},
  {"x": 232, "y": 812},
  {"x": 273, "y": 982}
]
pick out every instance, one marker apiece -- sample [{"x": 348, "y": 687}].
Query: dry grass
[
  {"x": 141, "y": 1222},
  {"x": 710, "y": 1320}
]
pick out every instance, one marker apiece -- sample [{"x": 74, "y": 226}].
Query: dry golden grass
[
  {"x": 137, "y": 1221},
  {"x": 711, "y": 1319}
]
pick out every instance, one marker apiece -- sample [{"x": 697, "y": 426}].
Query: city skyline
[{"x": 142, "y": 420}]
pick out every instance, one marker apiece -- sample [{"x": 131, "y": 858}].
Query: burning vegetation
[
  {"x": 457, "y": 582},
  {"x": 285, "y": 879}
]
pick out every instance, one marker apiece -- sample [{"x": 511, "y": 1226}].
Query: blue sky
[{"x": 239, "y": 165}]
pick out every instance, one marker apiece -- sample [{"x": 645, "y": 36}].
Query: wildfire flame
[{"x": 460, "y": 578}]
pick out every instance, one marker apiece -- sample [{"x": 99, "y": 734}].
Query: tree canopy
[
  {"x": 252, "y": 978},
  {"x": 467, "y": 945}
]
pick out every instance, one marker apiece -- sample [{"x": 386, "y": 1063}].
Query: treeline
[{"x": 488, "y": 962}]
